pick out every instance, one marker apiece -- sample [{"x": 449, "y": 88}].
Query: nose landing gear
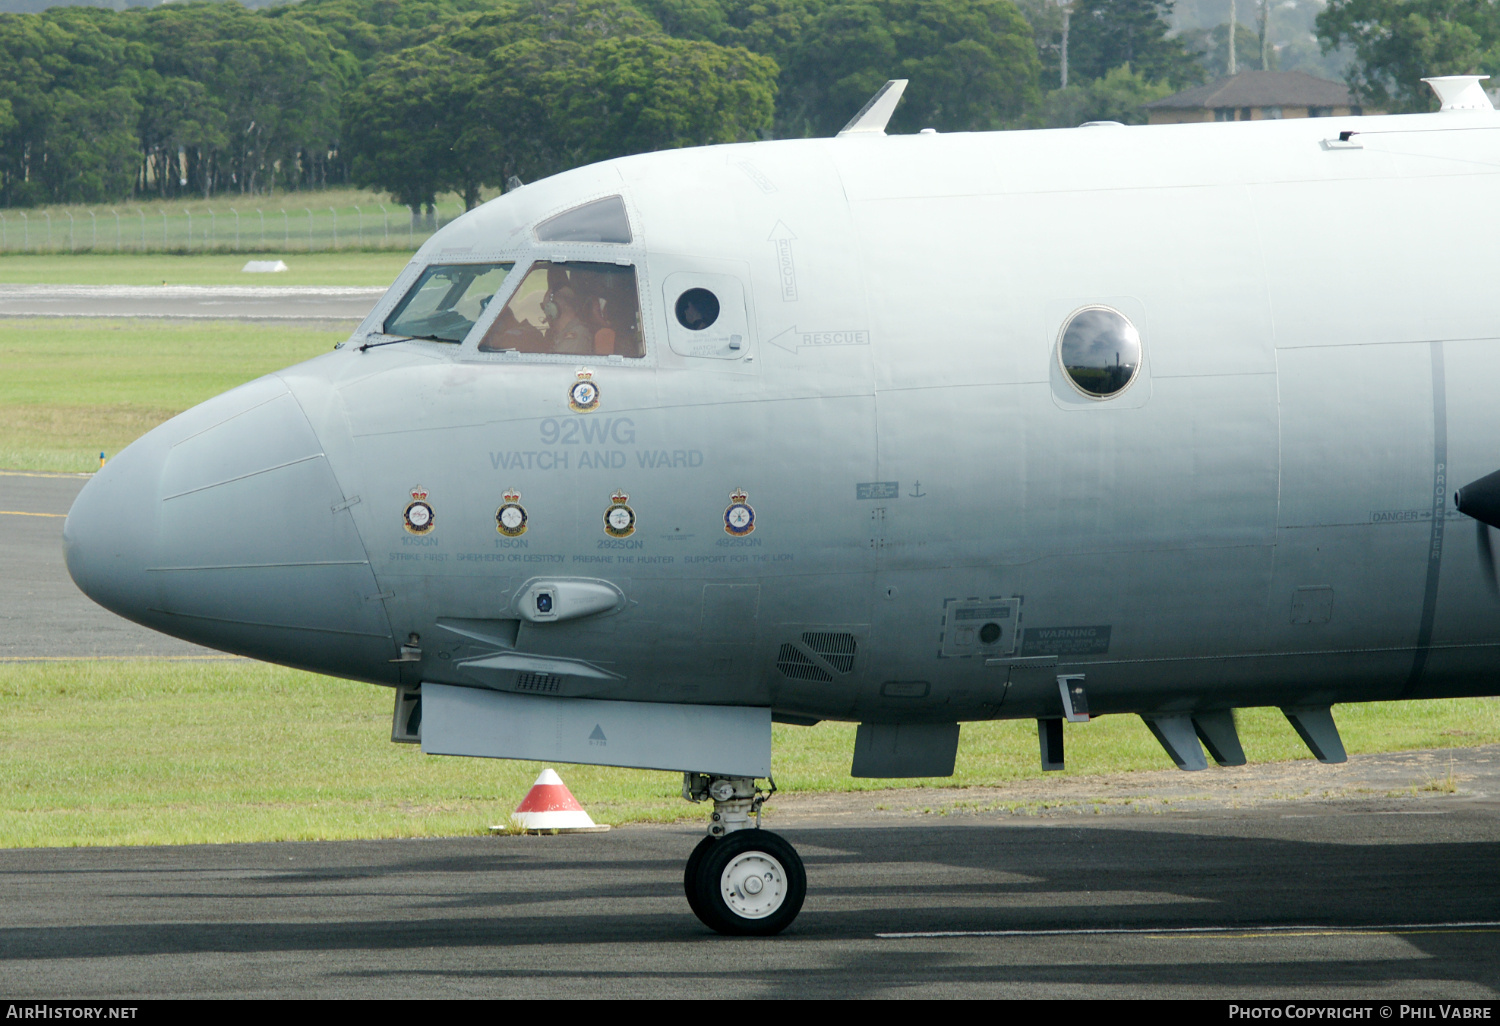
[{"x": 741, "y": 880}]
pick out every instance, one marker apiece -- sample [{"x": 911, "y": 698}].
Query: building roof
[{"x": 1259, "y": 89}]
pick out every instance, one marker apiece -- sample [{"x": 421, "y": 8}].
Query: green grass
[
  {"x": 817, "y": 759},
  {"x": 72, "y": 389},
  {"x": 327, "y": 219},
  {"x": 95, "y": 753},
  {"x": 344, "y": 268}
]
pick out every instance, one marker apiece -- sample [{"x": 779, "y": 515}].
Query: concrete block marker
[
  {"x": 550, "y": 806},
  {"x": 263, "y": 266}
]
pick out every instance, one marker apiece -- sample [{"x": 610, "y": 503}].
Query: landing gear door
[{"x": 706, "y": 315}]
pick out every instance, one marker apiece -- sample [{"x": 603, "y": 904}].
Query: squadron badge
[
  {"x": 583, "y": 397},
  {"x": 418, "y": 516},
  {"x": 619, "y": 519},
  {"x": 510, "y": 519},
  {"x": 739, "y": 518}
]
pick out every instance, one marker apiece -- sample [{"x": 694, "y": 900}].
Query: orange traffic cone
[{"x": 549, "y": 806}]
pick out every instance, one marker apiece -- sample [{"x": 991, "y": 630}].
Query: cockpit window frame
[
  {"x": 578, "y": 207},
  {"x": 373, "y": 326},
  {"x": 409, "y": 293}
]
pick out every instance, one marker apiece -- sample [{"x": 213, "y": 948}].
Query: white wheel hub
[{"x": 753, "y": 884}]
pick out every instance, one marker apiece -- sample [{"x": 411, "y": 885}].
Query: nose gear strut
[
  {"x": 735, "y": 800},
  {"x": 740, "y": 879}
]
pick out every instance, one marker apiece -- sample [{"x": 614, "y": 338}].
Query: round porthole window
[
  {"x": 697, "y": 309},
  {"x": 1100, "y": 351}
]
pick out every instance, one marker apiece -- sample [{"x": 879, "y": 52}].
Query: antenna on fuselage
[
  {"x": 1460, "y": 92},
  {"x": 875, "y": 115}
]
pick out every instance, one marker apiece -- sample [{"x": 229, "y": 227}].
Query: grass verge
[
  {"x": 343, "y": 268},
  {"x": 157, "y": 752},
  {"x": 313, "y": 220},
  {"x": 74, "y": 388}
]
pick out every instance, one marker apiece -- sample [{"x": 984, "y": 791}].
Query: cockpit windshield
[
  {"x": 446, "y": 301},
  {"x": 575, "y": 308}
]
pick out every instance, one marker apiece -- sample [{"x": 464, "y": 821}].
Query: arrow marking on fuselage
[
  {"x": 792, "y": 340},
  {"x": 757, "y": 176}
]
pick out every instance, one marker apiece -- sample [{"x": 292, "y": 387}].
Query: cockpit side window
[
  {"x": 602, "y": 220},
  {"x": 573, "y": 308},
  {"x": 446, "y": 301}
]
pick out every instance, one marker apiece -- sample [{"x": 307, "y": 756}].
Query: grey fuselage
[{"x": 1264, "y": 516}]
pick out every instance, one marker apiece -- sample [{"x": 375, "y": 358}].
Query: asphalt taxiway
[
  {"x": 193, "y": 302},
  {"x": 1348, "y": 903}
]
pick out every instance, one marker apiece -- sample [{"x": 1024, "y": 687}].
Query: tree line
[{"x": 421, "y": 97}]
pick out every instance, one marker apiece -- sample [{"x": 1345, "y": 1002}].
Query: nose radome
[
  {"x": 226, "y": 526},
  {"x": 109, "y": 537}
]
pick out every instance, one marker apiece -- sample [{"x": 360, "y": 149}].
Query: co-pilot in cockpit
[{"x": 577, "y": 308}]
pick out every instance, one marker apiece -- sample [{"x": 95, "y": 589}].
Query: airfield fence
[{"x": 293, "y": 227}]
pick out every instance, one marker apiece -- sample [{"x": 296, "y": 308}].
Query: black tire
[
  {"x": 725, "y": 905},
  {"x": 690, "y": 875}
]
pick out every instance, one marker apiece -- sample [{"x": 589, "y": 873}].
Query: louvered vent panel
[
  {"x": 838, "y": 649},
  {"x": 795, "y": 664},
  {"x": 544, "y": 683}
]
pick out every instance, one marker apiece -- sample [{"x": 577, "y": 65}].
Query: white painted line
[{"x": 1190, "y": 930}]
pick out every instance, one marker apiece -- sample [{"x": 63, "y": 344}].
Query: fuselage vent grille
[
  {"x": 545, "y": 683},
  {"x": 838, "y": 649},
  {"x": 794, "y": 663}
]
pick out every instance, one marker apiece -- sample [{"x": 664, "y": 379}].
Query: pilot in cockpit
[
  {"x": 566, "y": 330},
  {"x": 508, "y": 333},
  {"x": 598, "y": 308},
  {"x": 585, "y": 309}
]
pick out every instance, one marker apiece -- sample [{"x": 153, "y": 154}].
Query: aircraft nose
[
  {"x": 109, "y": 537},
  {"x": 226, "y": 526}
]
